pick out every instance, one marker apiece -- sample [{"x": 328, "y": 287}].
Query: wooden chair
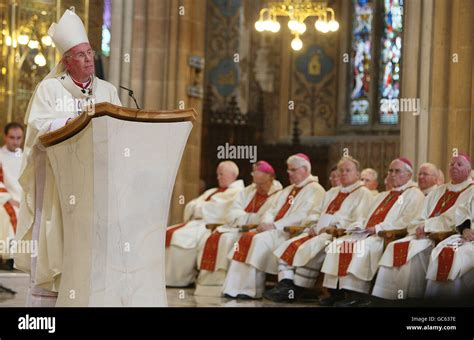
[
  {"x": 438, "y": 237},
  {"x": 392, "y": 235},
  {"x": 213, "y": 226}
]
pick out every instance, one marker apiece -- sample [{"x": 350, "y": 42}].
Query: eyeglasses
[
  {"x": 293, "y": 170},
  {"x": 82, "y": 55}
]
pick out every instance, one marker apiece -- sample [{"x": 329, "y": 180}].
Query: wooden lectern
[{"x": 115, "y": 169}]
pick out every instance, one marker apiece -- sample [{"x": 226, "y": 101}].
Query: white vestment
[
  {"x": 10, "y": 162},
  {"x": 304, "y": 269},
  {"x": 248, "y": 277},
  {"x": 367, "y": 250},
  {"x": 459, "y": 281},
  {"x": 209, "y": 283},
  {"x": 181, "y": 255},
  {"x": 408, "y": 280},
  {"x": 40, "y": 223}
]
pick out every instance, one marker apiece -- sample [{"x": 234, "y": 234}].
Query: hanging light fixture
[{"x": 297, "y": 11}]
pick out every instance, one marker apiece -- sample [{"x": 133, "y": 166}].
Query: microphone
[{"x": 130, "y": 93}]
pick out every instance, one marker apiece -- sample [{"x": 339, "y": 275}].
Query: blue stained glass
[
  {"x": 361, "y": 58},
  {"x": 391, "y": 53}
]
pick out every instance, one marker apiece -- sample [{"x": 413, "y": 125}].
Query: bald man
[
  {"x": 369, "y": 177},
  {"x": 428, "y": 176},
  {"x": 182, "y": 240},
  {"x": 402, "y": 268}
]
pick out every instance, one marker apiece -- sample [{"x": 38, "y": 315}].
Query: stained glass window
[
  {"x": 391, "y": 47},
  {"x": 361, "y": 59}
]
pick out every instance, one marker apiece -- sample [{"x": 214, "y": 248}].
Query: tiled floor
[{"x": 177, "y": 297}]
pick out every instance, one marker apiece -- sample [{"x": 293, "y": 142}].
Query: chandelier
[{"x": 297, "y": 11}]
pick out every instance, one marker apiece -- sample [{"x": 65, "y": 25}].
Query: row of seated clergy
[
  {"x": 252, "y": 256},
  {"x": 351, "y": 262},
  {"x": 248, "y": 208},
  {"x": 10, "y": 189},
  {"x": 211, "y": 207}
]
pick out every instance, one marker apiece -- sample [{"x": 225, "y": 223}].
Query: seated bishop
[
  {"x": 246, "y": 211},
  {"x": 402, "y": 268},
  {"x": 253, "y": 256},
  {"x": 450, "y": 273},
  {"x": 211, "y": 207},
  {"x": 352, "y": 260},
  {"x": 301, "y": 257}
]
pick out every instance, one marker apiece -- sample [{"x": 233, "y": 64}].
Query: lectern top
[{"x": 118, "y": 112}]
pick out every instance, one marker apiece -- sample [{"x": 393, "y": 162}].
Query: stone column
[
  {"x": 165, "y": 34},
  {"x": 441, "y": 75}
]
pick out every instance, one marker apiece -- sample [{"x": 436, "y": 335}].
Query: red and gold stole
[
  {"x": 446, "y": 201},
  {"x": 209, "y": 256},
  {"x": 170, "y": 231},
  {"x": 245, "y": 240},
  {"x": 378, "y": 216},
  {"x": 333, "y": 207}
]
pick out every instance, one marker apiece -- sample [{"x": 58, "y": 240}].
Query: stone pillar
[
  {"x": 437, "y": 68},
  {"x": 164, "y": 34}
]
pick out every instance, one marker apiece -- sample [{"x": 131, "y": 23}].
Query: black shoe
[
  {"x": 10, "y": 264},
  {"x": 245, "y": 297},
  {"x": 350, "y": 302},
  {"x": 327, "y": 301},
  {"x": 230, "y": 296},
  {"x": 284, "y": 291}
]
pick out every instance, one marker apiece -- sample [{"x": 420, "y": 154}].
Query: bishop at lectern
[{"x": 58, "y": 98}]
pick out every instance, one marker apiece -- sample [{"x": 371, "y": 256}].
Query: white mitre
[{"x": 68, "y": 32}]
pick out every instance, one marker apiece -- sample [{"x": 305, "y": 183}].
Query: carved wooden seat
[
  {"x": 335, "y": 232},
  {"x": 213, "y": 226},
  {"x": 438, "y": 237},
  {"x": 247, "y": 227},
  {"x": 294, "y": 230},
  {"x": 392, "y": 235}
]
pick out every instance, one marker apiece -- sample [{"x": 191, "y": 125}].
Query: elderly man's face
[
  {"x": 368, "y": 180},
  {"x": 397, "y": 174},
  {"x": 427, "y": 177},
  {"x": 260, "y": 177},
  {"x": 459, "y": 169},
  {"x": 297, "y": 174},
  {"x": 225, "y": 176},
  {"x": 335, "y": 178},
  {"x": 348, "y": 172},
  {"x": 79, "y": 62}
]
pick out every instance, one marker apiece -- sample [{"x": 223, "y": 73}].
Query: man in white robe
[
  {"x": 247, "y": 209},
  {"x": 450, "y": 273},
  {"x": 61, "y": 96},
  {"x": 211, "y": 207},
  {"x": 427, "y": 177},
  {"x": 301, "y": 257},
  {"x": 369, "y": 177},
  {"x": 402, "y": 268},
  {"x": 253, "y": 256},
  {"x": 10, "y": 189},
  {"x": 352, "y": 260}
]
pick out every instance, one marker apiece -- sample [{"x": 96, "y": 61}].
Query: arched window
[{"x": 375, "y": 69}]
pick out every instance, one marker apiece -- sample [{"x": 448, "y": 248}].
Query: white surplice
[
  {"x": 249, "y": 278},
  {"x": 55, "y": 100},
  {"x": 209, "y": 283},
  {"x": 181, "y": 255},
  {"x": 409, "y": 279},
  {"x": 368, "y": 249}
]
